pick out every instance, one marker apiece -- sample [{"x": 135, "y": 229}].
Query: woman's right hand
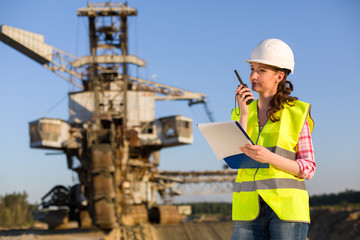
[{"x": 242, "y": 96}]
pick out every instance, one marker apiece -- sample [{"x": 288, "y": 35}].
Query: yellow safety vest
[{"x": 284, "y": 193}]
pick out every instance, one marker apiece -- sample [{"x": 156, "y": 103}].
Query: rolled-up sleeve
[{"x": 305, "y": 153}]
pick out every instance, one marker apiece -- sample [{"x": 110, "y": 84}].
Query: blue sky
[{"x": 194, "y": 45}]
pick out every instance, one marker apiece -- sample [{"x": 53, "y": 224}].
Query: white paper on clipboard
[{"x": 224, "y": 138}]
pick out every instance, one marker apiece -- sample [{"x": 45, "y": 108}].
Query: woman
[{"x": 272, "y": 202}]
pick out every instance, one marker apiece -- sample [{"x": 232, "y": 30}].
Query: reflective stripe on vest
[
  {"x": 273, "y": 183},
  {"x": 283, "y": 192},
  {"x": 283, "y": 152}
]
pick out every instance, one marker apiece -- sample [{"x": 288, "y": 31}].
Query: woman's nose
[{"x": 253, "y": 75}]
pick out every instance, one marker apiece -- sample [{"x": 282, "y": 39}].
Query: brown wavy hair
[{"x": 281, "y": 97}]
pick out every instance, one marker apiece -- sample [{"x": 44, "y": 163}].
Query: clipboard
[{"x": 224, "y": 139}]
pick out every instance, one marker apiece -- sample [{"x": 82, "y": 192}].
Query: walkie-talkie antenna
[{"x": 238, "y": 76}]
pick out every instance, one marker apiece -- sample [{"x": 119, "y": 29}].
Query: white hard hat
[{"x": 273, "y": 52}]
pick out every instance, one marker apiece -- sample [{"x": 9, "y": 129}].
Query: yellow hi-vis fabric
[{"x": 283, "y": 192}]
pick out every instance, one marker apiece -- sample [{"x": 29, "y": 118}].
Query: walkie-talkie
[{"x": 244, "y": 85}]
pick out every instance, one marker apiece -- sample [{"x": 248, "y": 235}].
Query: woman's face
[{"x": 264, "y": 79}]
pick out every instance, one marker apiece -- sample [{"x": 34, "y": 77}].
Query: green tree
[{"x": 15, "y": 210}]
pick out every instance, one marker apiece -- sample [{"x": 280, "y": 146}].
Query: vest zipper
[
  {"x": 259, "y": 134},
  {"x": 260, "y": 129}
]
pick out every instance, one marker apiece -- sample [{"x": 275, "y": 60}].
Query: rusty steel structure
[{"x": 112, "y": 139}]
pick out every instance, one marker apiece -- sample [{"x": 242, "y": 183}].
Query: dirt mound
[{"x": 333, "y": 224}]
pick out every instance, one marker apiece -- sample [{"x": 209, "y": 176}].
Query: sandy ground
[{"x": 186, "y": 231}]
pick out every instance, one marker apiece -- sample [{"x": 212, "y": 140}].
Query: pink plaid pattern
[{"x": 305, "y": 153}]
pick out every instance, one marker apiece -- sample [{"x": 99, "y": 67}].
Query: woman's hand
[
  {"x": 257, "y": 152},
  {"x": 242, "y": 96},
  {"x": 263, "y": 155}
]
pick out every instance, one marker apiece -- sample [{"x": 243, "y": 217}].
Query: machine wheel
[
  {"x": 57, "y": 219},
  {"x": 165, "y": 214}
]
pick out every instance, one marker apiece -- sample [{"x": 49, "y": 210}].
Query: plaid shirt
[{"x": 305, "y": 153}]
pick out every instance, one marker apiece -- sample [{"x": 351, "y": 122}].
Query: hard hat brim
[{"x": 271, "y": 63}]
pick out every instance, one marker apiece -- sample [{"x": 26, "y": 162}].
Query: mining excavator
[{"x": 111, "y": 139}]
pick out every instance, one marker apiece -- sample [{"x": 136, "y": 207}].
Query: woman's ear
[{"x": 280, "y": 76}]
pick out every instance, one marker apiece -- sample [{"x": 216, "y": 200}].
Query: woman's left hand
[{"x": 257, "y": 152}]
